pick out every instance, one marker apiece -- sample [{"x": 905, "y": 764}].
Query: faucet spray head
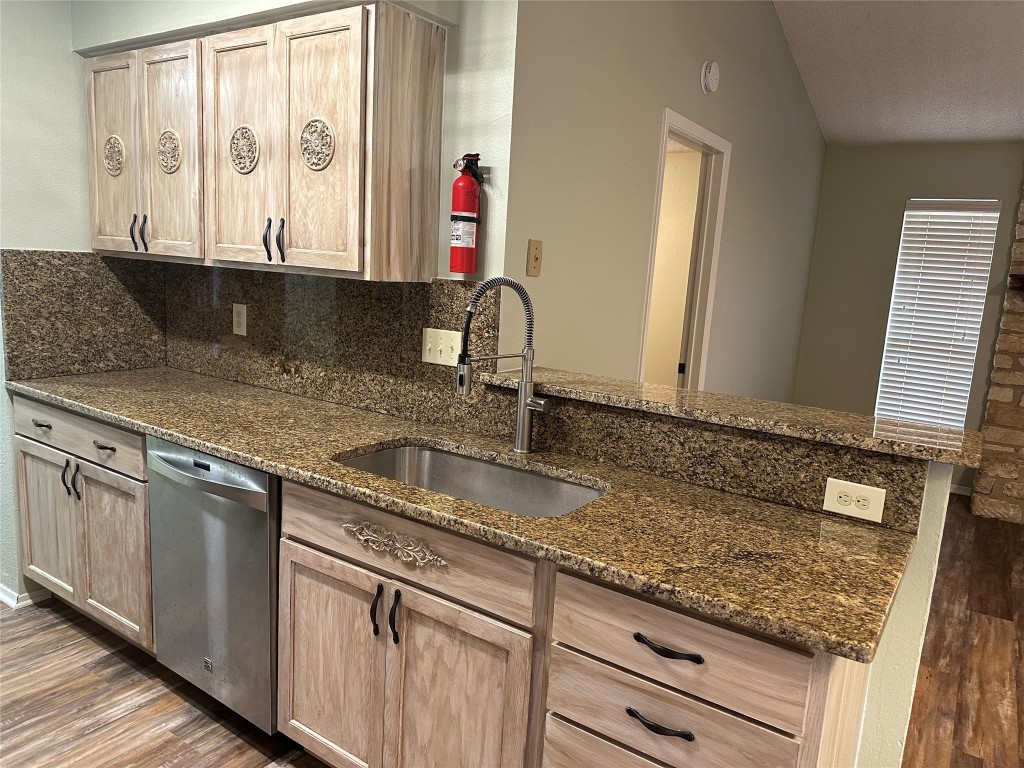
[{"x": 464, "y": 379}]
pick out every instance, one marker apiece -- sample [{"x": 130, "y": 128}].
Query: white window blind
[{"x": 938, "y": 299}]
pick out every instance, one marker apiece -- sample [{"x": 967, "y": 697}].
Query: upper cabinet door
[
  {"x": 241, "y": 151},
  {"x": 171, "y": 158},
  {"x": 319, "y": 84},
  {"x": 114, "y": 152},
  {"x": 457, "y": 686}
]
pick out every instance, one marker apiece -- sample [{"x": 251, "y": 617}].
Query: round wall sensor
[{"x": 709, "y": 77}]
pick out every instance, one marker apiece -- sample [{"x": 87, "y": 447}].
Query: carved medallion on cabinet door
[
  {"x": 240, "y": 113},
  {"x": 320, "y": 67},
  {"x": 113, "y": 152},
  {"x": 169, "y": 88}
]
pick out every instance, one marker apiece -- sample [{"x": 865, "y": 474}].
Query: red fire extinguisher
[{"x": 465, "y": 214}]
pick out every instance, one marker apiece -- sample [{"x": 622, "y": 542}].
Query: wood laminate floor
[
  {"x": 969, "y": 704},
  {"x": 73, "y": 694}
]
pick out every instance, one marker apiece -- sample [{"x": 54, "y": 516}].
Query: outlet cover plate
[
  {"x": 441, "y": 347},
  {"x": 238, "y": 319},
  {"x": 864, "y": 502}
]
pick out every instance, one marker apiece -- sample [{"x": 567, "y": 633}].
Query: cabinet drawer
[
  {"x": 757, "y": 678},
  {"x": 81, "y": 436},
  {"x": 490, "y": 579},
  {"x": 597, "y": 696},
  {"x": 566, "y": 746}
]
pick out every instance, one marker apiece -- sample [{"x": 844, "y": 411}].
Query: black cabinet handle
[
  {"x": 64, "y": 476},
  {"x": 668, "y": 653},
  {"x": 131, "y": 231},
  {"x": 142, "y": 232},
  {"x": 74, "y": 487},
  {"x": 280, "y": 240},
  {"x": 266, "y": 240},
  {"x": 661, "y": 730},
  {"x": 392, "y": 615},
  {"x": 373, "y": 609},
  {"x": 101, "y": 447},
  {"x": 41, "y": 424}
]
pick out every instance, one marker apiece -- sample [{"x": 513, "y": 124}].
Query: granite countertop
[
  {"x": 819, "y": 581},
  {"x": 900, "y": 438}
]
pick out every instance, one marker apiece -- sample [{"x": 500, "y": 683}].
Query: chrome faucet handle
[{"x": 541, "y": 404}]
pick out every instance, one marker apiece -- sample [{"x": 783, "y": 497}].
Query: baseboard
[
  {"x": 961, "y": 490},
  {"x": 12, "y": 599}
]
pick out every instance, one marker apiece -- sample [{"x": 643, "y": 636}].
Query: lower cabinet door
[
  {"x": 48, "y": 524},
  {"x": 115, "y": 572},
  {"x": 330, "y": 657},
  {"x": 457, "y": 686}
]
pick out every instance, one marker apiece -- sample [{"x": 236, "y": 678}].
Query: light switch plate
[
  {"x": 441, "y": 347},
  {"x": 864, "y": 502},
  {"x": 534, "y": 253},
  {"x": 238, "y": 319}
]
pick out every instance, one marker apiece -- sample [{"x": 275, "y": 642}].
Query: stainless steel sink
[{"x": 485, "y": 482}]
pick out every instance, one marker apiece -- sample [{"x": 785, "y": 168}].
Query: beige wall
[
  {"x": 43, "y": 183},
  {"x": 592, "y": 83},
  {"x": 477, "y": 89},
  {"x": 662, "y": 351},
  {"x": 864, "y": 192}
]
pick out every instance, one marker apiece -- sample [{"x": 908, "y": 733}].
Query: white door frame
[{"x": 708, "y": 239}]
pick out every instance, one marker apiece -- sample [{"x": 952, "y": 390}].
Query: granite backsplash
[
  {"x": 358, "y": 343},
  {"x": 69, "y": 312}
]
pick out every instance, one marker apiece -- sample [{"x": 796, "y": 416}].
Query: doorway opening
[{"x": 684, "y": 254}]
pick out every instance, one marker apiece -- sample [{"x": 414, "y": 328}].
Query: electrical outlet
[
  {"x": 534, "y": 253},
  {"x": 441, "y": 347},
  {"x": 855, "y": 500},
  {"x": 238, "y": 319}
]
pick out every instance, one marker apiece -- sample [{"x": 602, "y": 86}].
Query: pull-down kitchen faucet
[{"x": 527, "y": 403}]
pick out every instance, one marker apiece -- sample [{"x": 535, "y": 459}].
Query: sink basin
[{"x": 485, "y": 482}]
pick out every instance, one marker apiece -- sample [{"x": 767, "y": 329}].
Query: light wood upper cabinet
[
  {"x": 458, "y": 684},
  {"x": 114, "y": 151},
  {"x": 331, "y": 664},
  {"x": 320, "y": 76},
  {"x": 171, "y": 167},
  {"x": 243, "y": 153},
  {"x": 311, "y": 144},
  {"x": 49, "y": 528},
  {"x": 144, "y": 139},
  {"x": 114, "y": 581}
]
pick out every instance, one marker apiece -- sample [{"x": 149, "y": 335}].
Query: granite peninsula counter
[{"x": 812, "y": 579}]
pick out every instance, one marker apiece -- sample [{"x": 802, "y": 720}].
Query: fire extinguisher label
[{"x": 463, "y": 234}]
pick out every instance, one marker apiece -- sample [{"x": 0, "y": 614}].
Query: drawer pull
[
  {"x": 101, "y": 447},
  {"x": 405, "y": 548},
  {"x": 661, "y": 730},
  {"x": 373, "y": 609},
  {"x": 668, "y": 653},
  {"x": 393, "y": 616},
  {"x": 41, "y": 424}
]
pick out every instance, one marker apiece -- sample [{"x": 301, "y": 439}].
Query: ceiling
[{"x": 891, "y": 72}]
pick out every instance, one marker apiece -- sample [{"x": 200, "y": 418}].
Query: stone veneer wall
[
  {"x": 358, "y": 343},
  {"x": 999, "y": 483}
]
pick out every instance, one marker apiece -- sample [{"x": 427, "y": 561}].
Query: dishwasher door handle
[{"x": 251, "y": 497}]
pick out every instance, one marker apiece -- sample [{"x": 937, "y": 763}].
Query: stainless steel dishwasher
[{"x": 214, "y": 538}]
